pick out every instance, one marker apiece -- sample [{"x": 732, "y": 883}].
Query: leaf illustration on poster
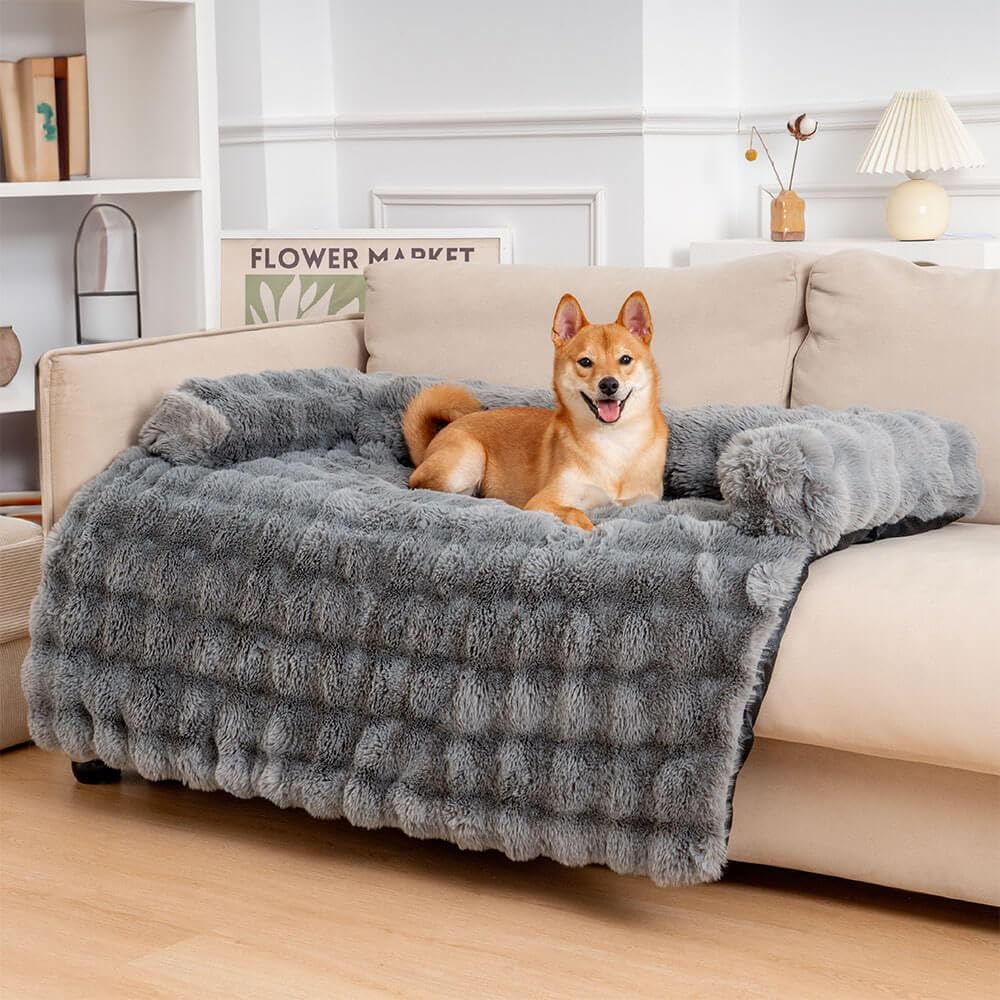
[{"x": 282, "y": 297}]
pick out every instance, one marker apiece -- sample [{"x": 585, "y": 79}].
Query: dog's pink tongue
[{"x": 609, "y": 410}]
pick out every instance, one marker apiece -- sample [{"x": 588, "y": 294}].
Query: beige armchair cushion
[
  {"x": 891, "y": 651},
  {"x": 20, "y": 571},
  {"x": 885, "y": 332},
  {"x": 913, "y": 826},
  {"x": 93, "y": 400},
  {"x": 724, "y": 333}
]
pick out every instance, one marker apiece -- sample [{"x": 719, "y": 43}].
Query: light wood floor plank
[{"x": 150, "y": 891}]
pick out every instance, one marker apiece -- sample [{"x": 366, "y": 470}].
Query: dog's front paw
[{"x": 577, "y": 519}]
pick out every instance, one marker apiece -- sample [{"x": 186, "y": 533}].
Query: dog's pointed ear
[
  {"x": 635, "y": 317},
  {"x": 568, "y": 320}
]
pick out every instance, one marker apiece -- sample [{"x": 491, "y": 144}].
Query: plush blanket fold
[{"x": 252, "y": 600}]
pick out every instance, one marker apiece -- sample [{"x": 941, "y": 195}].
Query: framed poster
[{"x": 272, "y": 277}]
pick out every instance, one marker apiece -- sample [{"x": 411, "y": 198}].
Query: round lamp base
[{"x": 917, "y": 210}]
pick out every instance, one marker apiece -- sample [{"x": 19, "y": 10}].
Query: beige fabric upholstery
[
  {"x": 887, "y": 333},
  {"x": 724, "y": 333},
  {"x": 913, "y": 826},
  {"x": 20, "y": 571},
  {"x": 93, "y": 400},
  {"x": 13, "y": 709},
  {"x": 892, "y": 650}
]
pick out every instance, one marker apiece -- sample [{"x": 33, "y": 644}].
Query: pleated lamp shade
[{"x": 919, "y": 132}]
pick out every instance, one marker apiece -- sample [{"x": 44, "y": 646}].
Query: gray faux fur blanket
[{"x": 252, "y": 600}]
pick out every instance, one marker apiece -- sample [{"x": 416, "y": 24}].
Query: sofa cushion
[
  {"x": 917, "y": 827},
  {"x": 891, "y": 650},
  {"x": 888, "y": 333},
  {"x": 724, "y": 333},
  {"x": 20, "y": 571}
]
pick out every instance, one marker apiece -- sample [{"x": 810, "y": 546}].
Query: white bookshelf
[
  {"x": 106, "y": 187},
  {"x": 154, "y": 151}
]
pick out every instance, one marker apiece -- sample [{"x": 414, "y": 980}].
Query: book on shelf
[
  {"x": 44, "y": 118},
  {"x": 72, "y": 116},
  {"x": 36, "y": 81},
  {"x": 11, "y": 133}
]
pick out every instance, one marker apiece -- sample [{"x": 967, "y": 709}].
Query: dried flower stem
[
  {"x": 754, "y": 132},
  {"x": 795, "y": 158}
]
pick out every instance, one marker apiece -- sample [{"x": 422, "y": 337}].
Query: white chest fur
[{"x": 624, "y": 465}]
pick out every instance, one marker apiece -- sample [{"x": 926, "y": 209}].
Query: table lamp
[{"x": 919, "y": 132}]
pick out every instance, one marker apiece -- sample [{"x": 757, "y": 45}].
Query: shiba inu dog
[{"x": 605, "y": 442}]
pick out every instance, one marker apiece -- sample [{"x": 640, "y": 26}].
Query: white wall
[
  {"x": 815, "y": 52},
  {"x": 453, "y": 55},
  {"x": 690, "y": 64},
  {"x": 690, "y": 54},
  {"x": 516, "y": 114},
  {"x": 275, "y": 65}
]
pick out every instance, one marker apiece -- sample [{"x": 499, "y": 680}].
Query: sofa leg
[{"x": 95, "y": 772}]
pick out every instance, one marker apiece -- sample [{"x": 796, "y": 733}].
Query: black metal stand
[{"x": 95, "y": 772}]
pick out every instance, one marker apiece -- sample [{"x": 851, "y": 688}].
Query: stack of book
[{"x": 44, "y": 118}]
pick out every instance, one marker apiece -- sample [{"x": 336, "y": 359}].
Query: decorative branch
[{"x": 767, "y": 153}]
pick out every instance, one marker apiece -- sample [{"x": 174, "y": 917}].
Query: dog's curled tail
[{"x": 430, "y": 411}]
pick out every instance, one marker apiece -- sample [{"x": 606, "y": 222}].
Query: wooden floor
[{"x": 140, "y": 890}]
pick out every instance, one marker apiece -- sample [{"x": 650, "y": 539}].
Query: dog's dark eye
[
  {"x": 625, "y": 359},
  {"x": 585, "y": 363}
]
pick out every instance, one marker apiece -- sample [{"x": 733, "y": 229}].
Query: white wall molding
[
  {"x": 975, "y": 109},
  {"x": 979, "y": 109},
  {"x": 987, "y": 187},
  {"x": 285, "y": 129},
  {"x": 491, "y": 124},
  {"x": 591, "y": 199},
  {"x": 690, "y": 121},
  {"x": 517, "y": 124},
  {"x": 550, "y": 123}
]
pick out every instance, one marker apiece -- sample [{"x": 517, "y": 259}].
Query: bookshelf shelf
[
  {"x": 146, "y": 4},
  {"x": 18, "y": 398},
  {"x": 96, "y": 186}
]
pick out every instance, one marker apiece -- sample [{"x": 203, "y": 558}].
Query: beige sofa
[
  {"x": 878, "y": 746},
  {"x": 20, "y": 571}
]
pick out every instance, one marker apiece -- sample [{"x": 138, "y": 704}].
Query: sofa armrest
[{"x": 92, "y": 400}]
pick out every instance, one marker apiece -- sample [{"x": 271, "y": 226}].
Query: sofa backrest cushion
[
  {"x": 888, "y": 333},
  {"x": 724, "y": 333}
]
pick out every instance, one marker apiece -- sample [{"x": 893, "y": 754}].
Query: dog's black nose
[{"x": 609, "y": 386}]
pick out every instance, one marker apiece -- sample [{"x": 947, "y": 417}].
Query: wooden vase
[
  {"x": 788, "y": 217},
  {"x": 10, "y": 354}
]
